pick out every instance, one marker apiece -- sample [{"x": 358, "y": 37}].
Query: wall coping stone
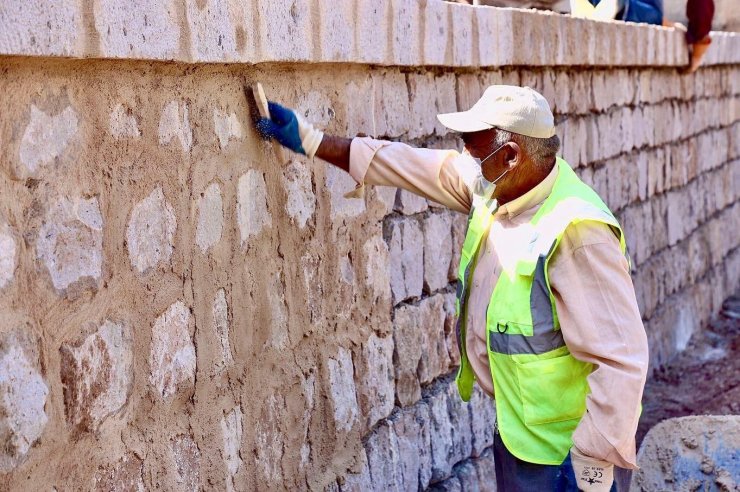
[{"x": 400, "y": 32}]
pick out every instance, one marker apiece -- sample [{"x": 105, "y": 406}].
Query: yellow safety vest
[{"x": 540, "y": 388}]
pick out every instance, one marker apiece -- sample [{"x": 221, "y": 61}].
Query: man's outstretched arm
[{"x": 335, "y": 150}]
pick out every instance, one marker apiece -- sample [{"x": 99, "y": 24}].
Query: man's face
[{"x": 479, "y": 144}]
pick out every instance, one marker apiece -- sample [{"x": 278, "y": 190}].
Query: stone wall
[{"x": 180, "y": 309}]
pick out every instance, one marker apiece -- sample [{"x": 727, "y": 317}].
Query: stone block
[
  {"x": 391, "y": 112},
  {"x": 172, "y": 354},
  {"x": 467, "y": 474},
  {"x": 452, "y": 484},
  {"x": 408, "y": 203},
  {"x": 336, "y": 34},
  {"x": 436, "y": 33},
  {"x": 405, "y": 32},
  {"x": 41, "y": 28},
  {"x": 301, "y": 201},
  {"x": 464, "y": 32},
  {"x": 186, "y": 457},
  {"x": 97, "y": 375},
  {"x": 23, "y": 394},
  {"x": 7, "y": 255},
  {"x": 227, "y": 126},
  {"x": 220, "y": 315},
  {"x": 486, "y": 471},
  {"x": 375, "y": 380},
  {"x": 125, "y": 474},
  {"x": 360, "y": 116},
  {"x": 145, "y": 29},
  {"x": 446, "y": 101},
  {"x": 377, "y": 269},
  {"x": 231, "y": 434},
  {"x": 488, "y": 51},
  {"x": 212, "y": 34},
  {"x": 437, "y": 250},
  {"x": 414, "y": 442},
  {"x": 45, "y": 139},
  {"x": 70, "y": 243},
  {"x": 151, "y": 232},
  {"x": 405, "y": 244},
  {"x": 383, "y": 458},
  {"x": 357, "y": 482},
  {"x": 343, "y": 394},
  {"x": 210, "y": 218},
  {"x": 444, "y": 435},
  {"x": 453, "y": 351},
  {"x": 373, "y": 18},
  {"x": 338, "y": 183},
  {"x": 123, "y": 124},
  {"x": 468, "y": 90},
  {"x": 285, "y": 30},
  {"x": 482, "y": 418},
  {"x": 252, "y": 212},
  {"x": 423, "y": 104}
]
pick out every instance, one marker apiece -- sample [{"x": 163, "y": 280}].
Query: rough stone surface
[
  {"x": 437, "y": 230},
  {"x": 186, "y": 456},
  {"x": 140, "y": 30},
  {"x": 377, "y": 271},
  {"x": 123, "y": 124},
  {"x": 227, "y": 126},
  {"x": 7, "y": 255},
  {"x": 175, "y": 123},
  {"x": 301, "y": 202},
  {"x": 23, "y": 394},
  {"x": 151, "y": 231},
  {"x": 338, "y": 183},
  {"x": 405, "y": 243},
  {"x": 97, "y": 375},
  {"x": 252, "y": 211},
  {"x": 221, "y": 326},
  {"x": 46, "y": 137},
  {"x": 408, "y": 204},
  {"x": 210, "y": 218},
  {"x": 344, "y": 397},
  {"x": 70, "y": 242},
  {"x": 375, "y": 379},
  {"x": 125, "y": 475},
  {"x": 690, "y": 453},
  {"x": 231, "y": 433},
  {"x": 172, "y": 355}
]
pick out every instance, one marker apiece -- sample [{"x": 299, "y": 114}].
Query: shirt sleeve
[
  {"x": 444, "y": 176},
  {"x": 601, "y": 324},
  {"x": 700, "y": 14}
]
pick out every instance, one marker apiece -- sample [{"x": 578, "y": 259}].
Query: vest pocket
[{"x": 553, "y": 390}]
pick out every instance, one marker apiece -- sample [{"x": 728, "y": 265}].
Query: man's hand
[
  {"x": 592, "y": 475},
  {"x": 290, "y": 129}
]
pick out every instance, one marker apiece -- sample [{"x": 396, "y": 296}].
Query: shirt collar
[{"x": 533, "y": 197}]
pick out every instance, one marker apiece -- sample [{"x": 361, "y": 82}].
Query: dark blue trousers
[{"x": 515, "y": 475}]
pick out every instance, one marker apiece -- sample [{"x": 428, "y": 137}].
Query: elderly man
[{"x": 548, "y": 323}]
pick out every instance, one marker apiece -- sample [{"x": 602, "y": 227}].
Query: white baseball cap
[{"x": 520, "y": 110}]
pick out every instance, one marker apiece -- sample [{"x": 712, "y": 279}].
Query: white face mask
[{"x": 481, "y": 186}]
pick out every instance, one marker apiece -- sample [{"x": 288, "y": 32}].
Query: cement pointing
[{"x": 419, "y": 33}]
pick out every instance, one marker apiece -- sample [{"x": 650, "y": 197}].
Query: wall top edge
[{"x": 389, "y": 32}]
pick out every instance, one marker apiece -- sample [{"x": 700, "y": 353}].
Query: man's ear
[{"x": 512, "y": 155}]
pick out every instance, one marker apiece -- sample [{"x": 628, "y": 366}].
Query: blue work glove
[{"x": 290, "y": 129}]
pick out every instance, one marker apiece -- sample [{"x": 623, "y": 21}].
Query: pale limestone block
[
  {"x": 434, "y": 360},
  {"x": 405, "y": 243},
  {"x": 125, "y": 474},
  {"x": 23, "y": 394},
  {"x": 464, "y": 32},
  {"x": 301, "y": 202},
  {"x": 414, "y": 442},
  {"x": 252, "y": 212},
  {"x": 278, "y": 336},
  {"x": 391, "y": 112},
  {"x": 151, "y": 232},
  {"x": 408, "y": 203},
  {"x": 468, "y": 91},
  {"x": 231, "y": 434},
  {"x": 270, "y": 439},
  {"x": 212, "y": 35},
  {"x": 346, "y": 271},
  {"x": 358, "y": 482},
  {"x": 482, "y": 420},
  {"x": 46, "y": 137},
  {"x": 337, "y": 34},
  {"x": 97, "y": 375},
  {"x": 436, "y": 33},
  {"x": 172, "y": 355},
  {"x": 408, "y": 349},
  {"x": 386, "y": 196},
  {"x": 175, "y": 123},
  {"x": 122, "y": 123},
  {"x": 285, "y": 30},
  {"x": 342, "y": 388},
  {"x": 444, "y": 433},
  {"x": 186, "y": 457},
  {"x": 338, "y": 183},
  {"x": 48, "y": 27},
  {"x": 423, "y": 107},
  {"x": 7, "y": 255},
  {"x": 446, "y": 101},
  {"x": 377, "y": 268},
  {"x": 210, "y": 218},
  {"x": 488, "y": 51},
  {"x": 70, "y": 242},
  {"x": 405, "y": 25},
  {"x": 220, "y": 314},
  {"x": 383, "y": 458},
  {"x": 375, "y": 380},
  {"x": 373, "y": 18},
  {"x": 360, "y": 113},
  {"x": 142, "y": 29},
  {"x": 227, "y": 126},
  {"x": 437, "y": 250}
]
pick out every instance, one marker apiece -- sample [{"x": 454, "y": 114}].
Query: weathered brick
[
  {"x": 437, "y": 250},
  {"x": 405, "y": 243},
  {"x": 375, "y": 380}
]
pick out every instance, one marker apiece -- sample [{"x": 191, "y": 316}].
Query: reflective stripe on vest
[{"x": 540, "y": 388}]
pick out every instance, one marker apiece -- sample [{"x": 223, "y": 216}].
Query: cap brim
[{"x": 463, "y": 122}]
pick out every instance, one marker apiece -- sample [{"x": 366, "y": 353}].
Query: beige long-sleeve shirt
[{"x": 589, "y": 276}]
